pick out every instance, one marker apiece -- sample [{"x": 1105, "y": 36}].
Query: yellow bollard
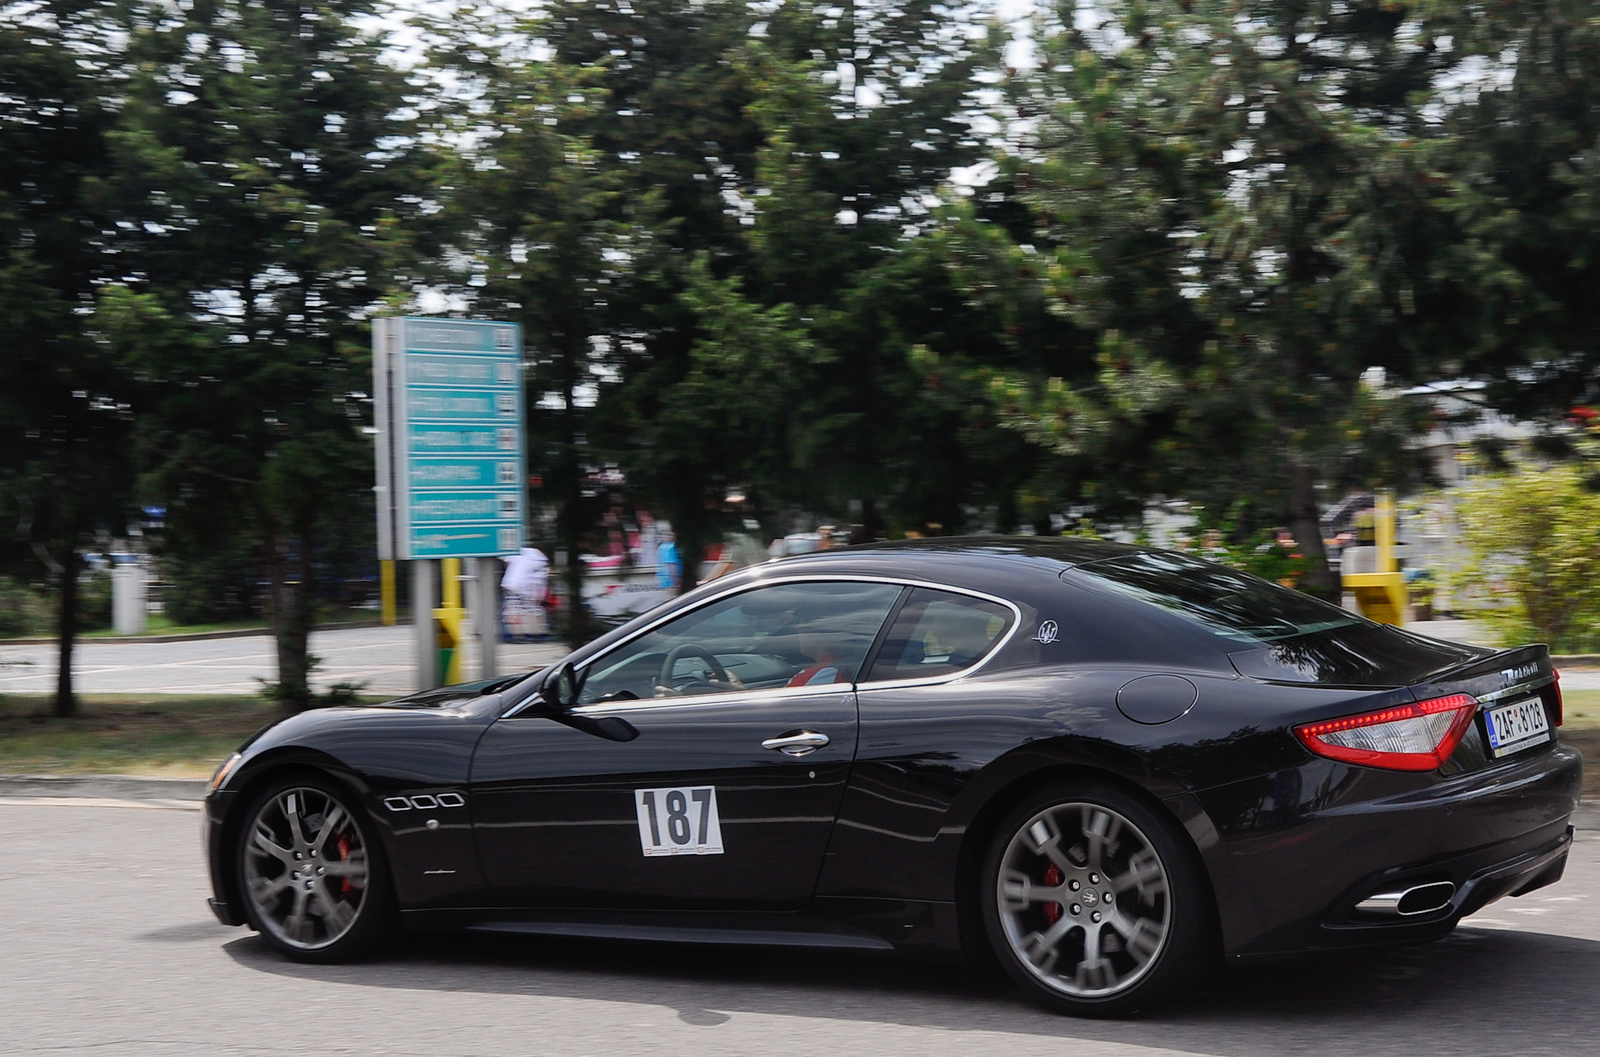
[
  {"x": 1382, "y": 594},
  {"x": 449, "y": 622},
  {"x": 386, "y": 591}
]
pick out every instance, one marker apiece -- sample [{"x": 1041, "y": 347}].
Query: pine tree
[
  {"x": 65, "y": 478},
  {"x": 262, "y": 174}
]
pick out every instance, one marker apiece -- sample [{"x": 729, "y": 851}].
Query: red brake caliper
[
  {"x": 345, "y": 886},
  {"x": 1052, "y": 877}
]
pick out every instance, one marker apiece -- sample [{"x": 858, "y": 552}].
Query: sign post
[{"x": 451, "y": 452}]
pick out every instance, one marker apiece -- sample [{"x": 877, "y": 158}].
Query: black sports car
[{"x": 1100, "y": 764}]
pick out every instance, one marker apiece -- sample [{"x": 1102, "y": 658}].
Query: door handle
[{"x": 798, "y": 743}]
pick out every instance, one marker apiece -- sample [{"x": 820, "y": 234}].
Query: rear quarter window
[{"x": 939, "y": 633}]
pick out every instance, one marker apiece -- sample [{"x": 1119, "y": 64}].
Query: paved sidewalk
[{"x": 380, "y": 659}]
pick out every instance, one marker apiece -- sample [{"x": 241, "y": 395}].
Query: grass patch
[
  {"x": 173, "y": 737},
  {"x": 1580, "y": 710},
  {"x": 161, "y": 624},
  {"x": 1580, "y": 728},
  {"x": 157, "y": 624}
]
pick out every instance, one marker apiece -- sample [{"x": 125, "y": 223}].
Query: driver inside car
[
  {"x": 703, "y": 681},
  {"x": 817, "y": 646}
]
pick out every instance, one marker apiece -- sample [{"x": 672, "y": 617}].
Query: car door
[{"x": 745, "y": 715}]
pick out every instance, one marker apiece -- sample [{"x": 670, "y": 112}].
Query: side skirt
[{"x": 727, "y": 930}]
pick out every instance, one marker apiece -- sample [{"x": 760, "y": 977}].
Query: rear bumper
[{"x": 1291, "y": 854}]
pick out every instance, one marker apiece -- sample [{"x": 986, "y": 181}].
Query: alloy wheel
[
  {"x": 1084, "y": 900},
  {"x": 306, "y": 869}
]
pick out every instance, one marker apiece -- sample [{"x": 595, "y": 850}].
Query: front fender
[{"x": 406, "y": 768}]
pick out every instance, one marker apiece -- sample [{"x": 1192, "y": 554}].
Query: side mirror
[
  {"x": 560, "y": 692},
  {"x": 560, "y": 688}
]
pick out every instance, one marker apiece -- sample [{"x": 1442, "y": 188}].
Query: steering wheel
[{"x": 689, "y": 649}]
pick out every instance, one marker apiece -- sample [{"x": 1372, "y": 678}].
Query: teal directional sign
[{"x": 450, "y": 437}]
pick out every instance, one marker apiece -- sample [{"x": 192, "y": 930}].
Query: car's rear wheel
[
  {"x": 311, "y": 872},
  {"x": 1091, "y": 901}
]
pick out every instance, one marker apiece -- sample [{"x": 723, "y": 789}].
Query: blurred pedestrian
[
  {"x": 669, "y": 566},
  {"x": 525, "y": 585}
]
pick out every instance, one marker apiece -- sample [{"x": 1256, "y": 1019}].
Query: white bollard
[{"x": 129, "y": 608}]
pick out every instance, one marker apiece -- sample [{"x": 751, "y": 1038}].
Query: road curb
[
  {"x": 101, "y": 787},
  {"x": 196, "y": 636}
]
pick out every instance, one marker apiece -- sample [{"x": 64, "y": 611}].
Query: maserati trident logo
[{"x": 1047, "y": 632}]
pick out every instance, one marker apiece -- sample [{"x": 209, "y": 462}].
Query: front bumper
[
  {"x": 1294, "y": 852},
  {"x": 213, "y": 842}
]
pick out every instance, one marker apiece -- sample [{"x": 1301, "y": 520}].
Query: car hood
[{"x": 455, "y": 694}]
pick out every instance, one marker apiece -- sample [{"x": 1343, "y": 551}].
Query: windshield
[{"x": 1244, "y": 608}]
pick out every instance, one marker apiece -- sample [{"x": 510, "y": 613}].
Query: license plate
[{"x": 1518, "y": 725}]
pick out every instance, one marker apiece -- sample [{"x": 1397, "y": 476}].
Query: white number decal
[{"x": 679, "y": 821}]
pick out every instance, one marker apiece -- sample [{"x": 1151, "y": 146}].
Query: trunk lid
[
  {"x": 1514, "y": 689},
  {"x": 1357, "y": 654}
]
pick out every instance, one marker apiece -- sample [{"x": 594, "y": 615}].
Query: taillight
[
  {"x": 1415, "y": 737},
  {"x": 1556, "y": 709}
]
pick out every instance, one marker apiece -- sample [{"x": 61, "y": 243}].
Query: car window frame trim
[{"x": 641, "y": 704}]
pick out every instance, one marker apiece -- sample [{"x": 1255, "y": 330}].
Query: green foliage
[
  {"x": 24, "y": 611},
  {"x": 261, "y": 174},
  {"x": 1534, "y": 541},
  {"x": 210, "y": 583},
  {"x": 737, "y": 244},
  {"x": 66, "y": 471},
  {"x": 1240, "y": 200},
  {"x": 94, "y": 600}
]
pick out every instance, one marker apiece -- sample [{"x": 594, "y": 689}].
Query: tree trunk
[
  {"x": 291, "y": 623},
  {"x": 1306, "y": 524},
  {"x": 691, "y": 553},
  {"x": 67, "y": 633},
  {"x": 871, "y": 521},
  {"x": 690, "y": 527},
  {"x": 580, "y": 625},
  {"x": 580, "y": 629}
]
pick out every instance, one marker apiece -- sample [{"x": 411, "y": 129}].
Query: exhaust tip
[{"x": 1408, "y": 902}]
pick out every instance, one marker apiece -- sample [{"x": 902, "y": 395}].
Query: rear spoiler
[{"x": 1502, "y": 674}]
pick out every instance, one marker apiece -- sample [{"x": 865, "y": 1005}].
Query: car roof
[{"x": 1055, "y": 552}]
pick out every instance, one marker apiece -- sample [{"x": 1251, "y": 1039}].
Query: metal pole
[
  {"x": 486, "y": 615},
  {"x": 425, "y": 643}
]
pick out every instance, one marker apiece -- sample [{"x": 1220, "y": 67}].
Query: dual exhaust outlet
[{"x": 1408, "y": 902}]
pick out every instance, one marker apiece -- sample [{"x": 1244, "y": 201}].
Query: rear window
[{"x": 1245, "y": 609}]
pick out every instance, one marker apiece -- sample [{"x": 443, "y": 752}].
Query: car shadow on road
[{"x": 1478, "y": 991}]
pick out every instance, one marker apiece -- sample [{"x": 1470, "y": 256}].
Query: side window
[
  {"x": 938, "y": 633},
  {"x": 804, "y": 634}
]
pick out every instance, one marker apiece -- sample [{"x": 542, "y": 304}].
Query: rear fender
[{"x": 1011, "y": 777}]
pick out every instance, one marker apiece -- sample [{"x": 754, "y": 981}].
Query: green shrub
[
  {"x": 209, "y": 589},
  {"x": 1533, "y": 537},
  {"x": 24, "y": 612},
  {"x": 94, "y": 600}
]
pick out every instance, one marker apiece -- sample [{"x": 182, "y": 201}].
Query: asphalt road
[
  {"x": 109, "y": 949},
  {"x": 378, "y": 659}
]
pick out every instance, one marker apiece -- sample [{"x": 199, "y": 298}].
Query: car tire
[
  {"x": 1131, "y": 919},
  {"x": 313, "y": 878}
]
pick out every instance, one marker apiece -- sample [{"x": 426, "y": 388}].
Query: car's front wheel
[
  {"x": 1092, "y": 903},
  {"x": 311, "y": 871}
]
